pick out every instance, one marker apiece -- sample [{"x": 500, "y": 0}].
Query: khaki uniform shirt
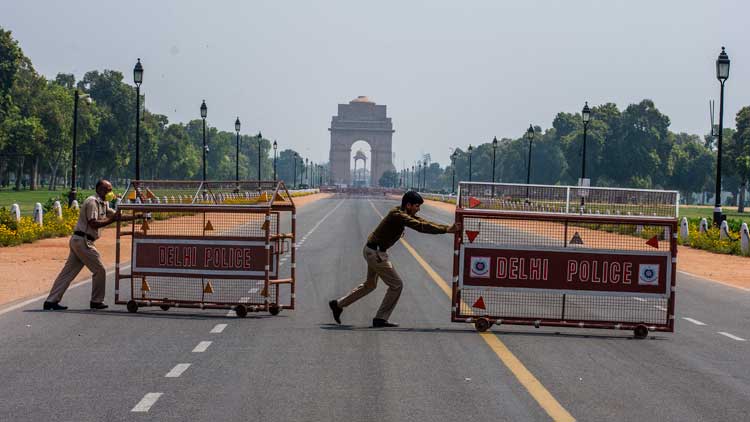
[
  {"x": 387, "y": 233},
  {"x": 93, "y": 208}
]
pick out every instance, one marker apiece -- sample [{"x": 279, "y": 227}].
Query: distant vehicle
[{"x": 303, "y": 186}]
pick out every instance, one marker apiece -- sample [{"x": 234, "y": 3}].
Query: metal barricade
[
  {"x": 565, "y": 256},
  {"x": 207, "y": 245}
]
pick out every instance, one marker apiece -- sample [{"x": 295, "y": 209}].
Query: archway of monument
[
  {"x": 360, "y": 120},
  {"x": 361, "y": 164}
]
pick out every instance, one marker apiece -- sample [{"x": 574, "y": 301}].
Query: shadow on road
[
  {"x": 336, "y": 327},
  {"x": 147, "y": 314}
]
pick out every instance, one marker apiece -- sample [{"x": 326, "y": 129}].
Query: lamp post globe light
[
  {"x": 453, "y": 166},
  {"x": 204, "y": 113},
  {"x": 494, "y": 152},
  {"x": 722, "y": 74},
  {"x": 275, "y": 146},
  {"x": 471, "y": 148},
  {"x": 73, "y": 164},
  {"x": 138, "y": 79},
  {"x": 237, "y": 153}
]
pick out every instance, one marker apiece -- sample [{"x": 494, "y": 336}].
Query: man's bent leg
[
  {"x": 90, "y": 256},
  {"x": 68, "y": 273},
  {"x": 369, "y": 284},
  {"x": 390, "y": 277}
]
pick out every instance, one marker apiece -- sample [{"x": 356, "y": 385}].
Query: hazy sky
[{"x": 451, "y": 73}]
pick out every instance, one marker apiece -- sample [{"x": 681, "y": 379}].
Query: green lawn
[
  {"x": 698, "y": 211},
  {"x": 26, "y": 198}
]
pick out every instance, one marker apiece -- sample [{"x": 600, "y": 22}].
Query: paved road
[{"x": 81, "y": 365}]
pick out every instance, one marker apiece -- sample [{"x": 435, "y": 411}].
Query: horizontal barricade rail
[
  {"x": 523, "y": 264},
  {"x": 223, "y": 249}
]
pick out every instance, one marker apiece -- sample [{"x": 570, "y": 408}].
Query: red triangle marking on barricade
[
  {"x": 474, "y": 202},
  {"x": 479, "y": 304},
  {"x": 472, "y": 234},
  {"x": 653, "y": 242}
]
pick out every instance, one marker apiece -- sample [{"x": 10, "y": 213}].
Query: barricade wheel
[
  {"x": 132, "y": 306},
  {"x": 164, "y": 307},
  {"x": 241, "y": 311},
  {"x": 274, "y": 309},
  {"x": 482, "y": 324},
  {"x": 640, "y": 331}
]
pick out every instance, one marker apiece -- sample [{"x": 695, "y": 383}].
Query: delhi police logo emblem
[
  {"x": 648, "y": 274},
  {"x": 480, "y": 267}
]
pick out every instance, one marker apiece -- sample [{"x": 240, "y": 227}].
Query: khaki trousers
[
  {"x": 82, "y": 252},
  {"x": 378, "y": 265}
]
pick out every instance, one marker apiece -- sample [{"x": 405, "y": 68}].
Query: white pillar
[
  {"x": 745, "y": 239},
  {"x": 74, "y": 205},
  {"x": 684, "y": 232},
  {"x": 724, "y": 231},
  {"x": 58, "y": 209},
  {"x": 15, "y": 211},
  {"x": 39, "y": 214},
  {"x": 703, "y": 226}
]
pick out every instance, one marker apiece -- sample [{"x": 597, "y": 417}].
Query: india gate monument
[{"x": 360, "y": 120}]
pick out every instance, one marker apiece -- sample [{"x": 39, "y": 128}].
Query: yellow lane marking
[{"x": 535, "y": 388}]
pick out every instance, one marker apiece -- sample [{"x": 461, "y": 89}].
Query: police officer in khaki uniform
[
  {"x": 95, "y": 214},
  {"x": 385, "y": 235}
]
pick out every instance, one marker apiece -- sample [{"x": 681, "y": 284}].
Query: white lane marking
[
  {"x": 201, "y": 347},
  {"x": 177, "y": 370},
  {"x": 218, "y": 328},
  {"x": 146, "y": 402},
  {"x": 714, "y": 281},
  {"x": 44, "y": 296},
  {"x": 639, "y": 299},
  {"x": 244, "y": 299},
  {"x": 694, "y": 321},
  {"x": 661, "y": 308},
  {"x": 231, "y": 313},
  {"x": 732, "y": 336},
  {"x": 253, "y": 290}
]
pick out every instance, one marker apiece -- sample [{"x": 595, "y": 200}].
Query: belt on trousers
[
  {"x": 84, "y": 235},
  {"x": 376, "y": 247}
]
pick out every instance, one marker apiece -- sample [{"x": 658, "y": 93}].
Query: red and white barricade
[
  {"x": 207, "y": 245},
  {"x": 565, "y": 256}
]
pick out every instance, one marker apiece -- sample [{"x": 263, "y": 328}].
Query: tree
[
  {"x": 738, "y": 154},
  {"x": 389, "y": 179}
]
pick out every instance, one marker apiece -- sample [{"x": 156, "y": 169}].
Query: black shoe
[
  {"x": 53, "y": 306},
  {"x": 378, "y": 323},
  {"x": 336, "y": 309},
  {"x": 94, "y": 305}
]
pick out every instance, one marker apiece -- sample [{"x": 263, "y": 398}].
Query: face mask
[{"x": 109, "y": 196}]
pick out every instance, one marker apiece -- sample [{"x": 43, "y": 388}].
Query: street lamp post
[
  {"x": 411, "y": 187},
  {"x": 453, "y": 165},
  {"x": 73, "y": 165},
  {"x": 530, "y": 137},
  {"x": 722, "y": 74},
  {"x": 237, "y": 153},
  {"x": 294, "y": 158},
  {"x": 138, "y": 79},
  {"x": 204, "y": 113},
  {"x": 470, "y": 150},
  {"x": 306, "y": 179},
  {"x": 260, "y": 138},
  {"x": 424, "y": 176},
  {"x": 586, "y": 117},
  {"x": 494, "y": 152},
  {"x": 275, "y": 146},
  {"x": 419, "y": 176}
]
